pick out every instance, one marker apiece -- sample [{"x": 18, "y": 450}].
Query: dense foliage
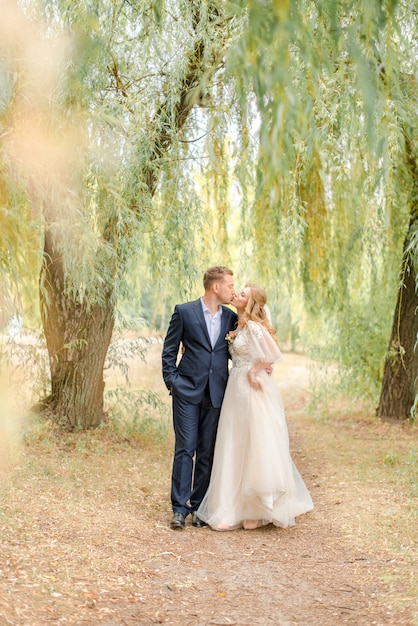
[{"x": 162, "y": 137}]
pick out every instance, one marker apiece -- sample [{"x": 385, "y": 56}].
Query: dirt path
[{"x": 85, "y": 537}]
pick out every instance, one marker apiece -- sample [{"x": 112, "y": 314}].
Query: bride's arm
[
  {"x": 253, "y": 371},
  {"x": 265, "y": 351}
]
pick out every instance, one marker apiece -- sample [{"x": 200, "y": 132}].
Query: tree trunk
[
  {"x": 400, "y": 376},
  {"x": 399, "y": 385},
  {"x": 77, "y": 336}
]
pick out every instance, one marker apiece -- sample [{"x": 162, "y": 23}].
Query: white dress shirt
[{"x": 213, "y": 322}]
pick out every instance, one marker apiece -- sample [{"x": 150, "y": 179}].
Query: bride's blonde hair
[{"x": 255, "y": 309}]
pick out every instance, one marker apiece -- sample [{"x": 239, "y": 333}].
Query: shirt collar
[{"x": 206, "y": 310}]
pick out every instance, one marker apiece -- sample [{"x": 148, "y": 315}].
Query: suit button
[{"x": 210, "y": 371}]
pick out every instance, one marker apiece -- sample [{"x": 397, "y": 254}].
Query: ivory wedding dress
[{"x": 253, "y": 476}]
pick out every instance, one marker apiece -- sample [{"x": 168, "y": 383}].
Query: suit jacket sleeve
[{"x": 171, "y": 347}]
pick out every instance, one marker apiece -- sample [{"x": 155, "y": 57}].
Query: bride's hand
[{"x": 253, "y": 381}]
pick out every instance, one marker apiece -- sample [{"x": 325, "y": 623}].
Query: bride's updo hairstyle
[{"x": 255, "y": 308}]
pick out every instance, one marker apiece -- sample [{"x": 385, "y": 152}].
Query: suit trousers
[{"x": 195, "y": 427}]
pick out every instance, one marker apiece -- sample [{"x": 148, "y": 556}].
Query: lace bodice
[
  {"x": 240, "y": 349},
  {"x": 252, "y": 344}
]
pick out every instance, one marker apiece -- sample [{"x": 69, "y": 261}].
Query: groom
[{"x": 197, "y": 385}]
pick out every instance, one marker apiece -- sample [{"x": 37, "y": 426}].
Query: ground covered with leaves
[{"x": 85, "y": 536}]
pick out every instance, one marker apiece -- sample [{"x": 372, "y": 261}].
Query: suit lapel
[
  {"x": 224, "y": 325},
  {"x": 197, "y": 305},
  {"x": 225, "y": 319}
]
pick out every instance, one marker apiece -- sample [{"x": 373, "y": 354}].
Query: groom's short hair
[{"x": 215, "y": 274}]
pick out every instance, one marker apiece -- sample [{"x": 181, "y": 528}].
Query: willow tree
[
  {"x": 329, "y": 206},
  {"x": 399, "y": 393},
  {"x": 130, "y": 77},
  {"x": 335, "y": 200}
]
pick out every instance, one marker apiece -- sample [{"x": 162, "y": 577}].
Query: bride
[{"x": 254, "y": 480}]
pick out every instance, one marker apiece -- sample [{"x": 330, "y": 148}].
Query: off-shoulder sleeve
[{"x": 263, "y": 346}]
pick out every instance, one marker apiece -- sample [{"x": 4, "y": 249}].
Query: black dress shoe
[
  {"x": 197, "y": 522},
  {"x": 177, "y": 521}
]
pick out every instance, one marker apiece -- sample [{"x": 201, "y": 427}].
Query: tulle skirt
[{"x": 254, "y": 480}]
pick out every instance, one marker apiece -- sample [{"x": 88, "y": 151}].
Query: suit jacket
[{"x": 199, "y": 363}]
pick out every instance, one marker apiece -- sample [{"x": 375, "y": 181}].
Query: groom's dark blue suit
[{"x": 197, "y": 384}]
